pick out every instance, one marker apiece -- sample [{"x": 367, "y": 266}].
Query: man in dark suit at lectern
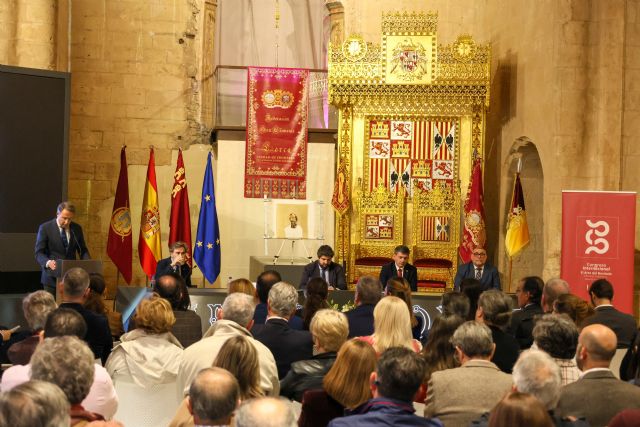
[
  {"x": 399, "y": 267},
  {"x": 59, "y": 238}
]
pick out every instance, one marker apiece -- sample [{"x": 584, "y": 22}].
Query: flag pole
[{"x": 509, "y": 277}]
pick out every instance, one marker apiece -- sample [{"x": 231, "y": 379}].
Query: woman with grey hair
[
  {"x": 494, "y": 310},
  {"x": 34, "y": 404},
  {"x": 36, "y": 307},
  {"x": 67, "y": 362}
]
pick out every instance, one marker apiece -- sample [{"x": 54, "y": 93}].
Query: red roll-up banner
[
  {"x": 277, "y": 116},
  {"x": 598, "y": 233}
]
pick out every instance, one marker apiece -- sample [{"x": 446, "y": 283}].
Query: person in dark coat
[
  {"x": 325, "y": 268},
  {"x": 494, "y": 310},
  {"x": 264, "y": 283},
  {"x": 529, "y": 293},
  {"x": 368, "y": 293},
  {"x": 479, "y": 268},
  {"x": 400, "y": 267},
  {"x": 176, "y": 263},
  {"x": 287, "y": 345},
  {"x": 329, "y": 329},
  {"x": 399, "y": 374}
]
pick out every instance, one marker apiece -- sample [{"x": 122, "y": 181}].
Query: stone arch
[{"x": 530, "y": 261}]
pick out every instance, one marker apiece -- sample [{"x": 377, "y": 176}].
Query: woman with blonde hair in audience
[
  {"x": 329, "y": 329},
  {"x": 399, "y": 287},
  {"x": 573, "y": 306},
  {"x": 346, "y": 386},
  {"x": 391, "y": 326},
  {"x": 243, "y": 286},
  {"x": 519, "y": 409},
  {"x": 238, "y": 356},
  {"x": 149, "y": 355}
]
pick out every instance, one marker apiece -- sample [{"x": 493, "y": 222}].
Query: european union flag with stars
[{"x": 207, "y": 249}]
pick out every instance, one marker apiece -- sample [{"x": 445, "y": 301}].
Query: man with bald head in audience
[
  {"x": 598, "y": 395},
  {"x": 551, "y": 291},
  {"x": 265, "y": 412},
  {"x": 213, "y": 397}
]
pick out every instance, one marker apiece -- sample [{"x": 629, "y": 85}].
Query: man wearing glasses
[{"x": 480, "y": 269}]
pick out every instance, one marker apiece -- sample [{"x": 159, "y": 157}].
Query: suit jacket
[
  {"x": 188, "y": 327},
  {"x": 318, "y": 408},
  {"x": 507, "y": 349},
  {"x": 490, "y": 278},
  {"x": 287, "y": 345},
  {"x": 460, "y": 395},
  {"x": 98, "y": 333},
  {"x": 164, "y": 267},
  {"x": 598, "y": 396},
  {"x": 49, "y": 246},
  {"x": 260, "y": 317},
  {"x": 360, "y": 320},
  {"x": 623, "y": 324},
  {"x": 522, "y": 323},
  {"x": 382, "y": 412},
  {"x": 409, "y": 272},
  {"x": 336, "y": 275}
]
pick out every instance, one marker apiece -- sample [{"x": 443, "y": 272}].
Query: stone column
[{"x": 336, "y": 15}]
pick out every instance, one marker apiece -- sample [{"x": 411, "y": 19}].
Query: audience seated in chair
[
  {"x": 494, "y": 310},
  {"x": 244, "y": 286},
  {"x": 188, "y": 325},
  {"x": 329, "y": 329},
  {"x": 36, "y": 307},
  {"x": 393, "y": 384},
  {"x": 316, "y": 293},
  {"x": 368, "y": 293},
  {"x": 75, "y": 290},
  {"x": 238, "y": 357},
  {"x": 598, "y": 395},
  {"x": 573, "y": 306},
  {"x": 286, "y": 344},
  {"x": 459, "y": 395},
  {"x": 392, "y": 326},
  {"x": 149, "y": 355},
  {"x": 214, "y": 395},
  {"x": 455, "y": 304},
  {"x": 557, "y": 335},
  {"x": 34, "y": 403},
  {"x": 265, "y": 412},
  {"x": 102, "y": 398},
  {"x": 264, "y": 283},
  {"x": 68, "y": 363},
  {"x": 399, "y": 287},
  {"x": 235, "y": 318},
  {"x": 519, "y": 409},
  {"x": 529, "y": 292},
  {"x": 551, "y": 291},
  {"x": 95, "y": 302},
  {"x": 345, "y": 387}
]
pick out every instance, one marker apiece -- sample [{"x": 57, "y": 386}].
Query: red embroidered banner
[
  {"x": 276, "y": 155},
  {"x": 598, "y": 233}
]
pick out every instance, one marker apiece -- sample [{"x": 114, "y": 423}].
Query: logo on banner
[
  {"x": 597, "y": 237},
  {"x": 598, "y": 244}
]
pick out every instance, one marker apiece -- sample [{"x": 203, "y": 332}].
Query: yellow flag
[
  {"x": 149, "y": 246},
  {"x": 517, "y": 229}
]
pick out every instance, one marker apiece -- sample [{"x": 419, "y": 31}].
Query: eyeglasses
[{"x": 479, "y": 254}]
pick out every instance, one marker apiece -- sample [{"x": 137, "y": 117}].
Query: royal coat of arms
[{"x": 409, "y": 60}]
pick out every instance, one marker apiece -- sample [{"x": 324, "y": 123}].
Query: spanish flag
[
  {"x": 517, "y": 229},
  {"x": 149, "y": 248}
]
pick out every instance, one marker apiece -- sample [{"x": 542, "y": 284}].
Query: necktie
[
  {"x": 399, "y": 272},
  {"x": 478, "y": 273},
  {"x": 63, "y": 236}
]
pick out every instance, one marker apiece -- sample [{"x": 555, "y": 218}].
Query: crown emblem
[
  {"x": 380, "y": 130},
  {"x": 421, "y": 169},
  {"x": 400, "y": 149}
]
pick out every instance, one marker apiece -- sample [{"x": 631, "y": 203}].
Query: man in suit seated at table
[
  {"x": 325, "y": 268},
  {"x": 399, "y": 267},
  {"x": 287, "y": 345},
  {"x": 176, "y": 263},
  {"x": 479, "y": 268}
]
